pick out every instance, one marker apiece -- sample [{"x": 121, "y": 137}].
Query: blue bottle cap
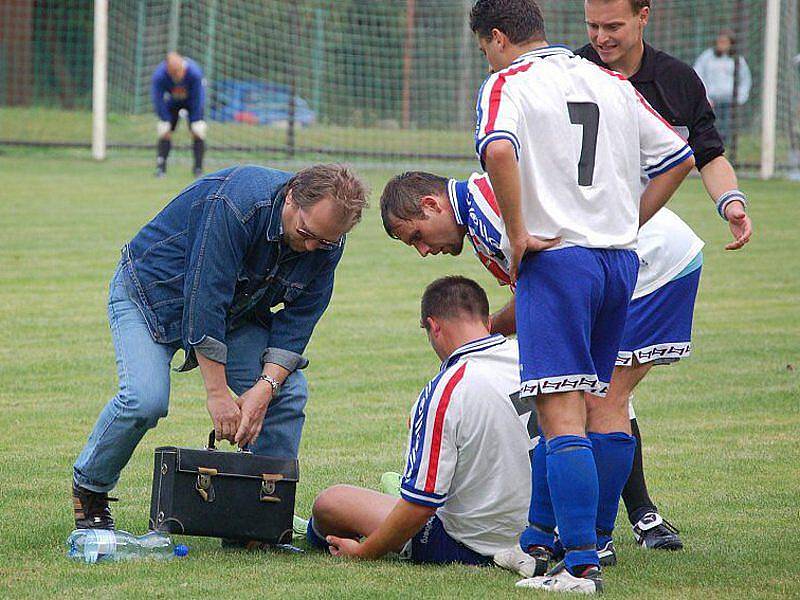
[{"x": 181, "y": 550}]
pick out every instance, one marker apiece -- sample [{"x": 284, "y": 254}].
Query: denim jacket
[{"x": 214, "y": 256}]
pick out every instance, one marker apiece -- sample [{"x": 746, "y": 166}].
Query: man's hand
[
  {"x": 254, "y": 403},
  {"x": 344, "y": 546},
  {"x": 523, "y": 244},
  {"x": 740, "y": 224},
  {"x": 225, "y": 415}
]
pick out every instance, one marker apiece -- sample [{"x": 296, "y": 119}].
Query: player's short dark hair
[
  {"x": 636, "y": 5},
  {"x": 339, "y": 182},
  {"x": 454, "y": 296},
  {"x": 520, "y": 20},
  {"x": 401, "y": 196}
]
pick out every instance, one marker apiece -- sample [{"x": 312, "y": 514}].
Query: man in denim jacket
[{"x": 204, "y": 275}]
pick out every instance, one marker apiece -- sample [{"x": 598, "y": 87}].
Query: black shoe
[
  {"x": 91, "y": 509},
  {"x": 607, "y": 554},
  {"x": 655, "y": 533}
]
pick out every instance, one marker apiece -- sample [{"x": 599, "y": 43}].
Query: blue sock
[
  {"x": 314, "y": 538},
  {"x": 572, "y": 476},
  {"x": 541, "y": 519},
  {"x": 613, "y": 456}
]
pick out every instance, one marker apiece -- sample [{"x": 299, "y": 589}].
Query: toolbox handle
[{"x": 212, "y": 439}]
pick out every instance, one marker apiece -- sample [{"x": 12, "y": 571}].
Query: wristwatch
[{"x": 270, "y": 380}]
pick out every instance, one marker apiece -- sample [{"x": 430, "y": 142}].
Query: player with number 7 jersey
[
  {"x": 582, "y": 136},
  {"x": 564, "y": 143}
]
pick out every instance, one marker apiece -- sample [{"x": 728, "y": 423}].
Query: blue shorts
[
  {"x": 433, "y": 545},
  {"x": 571, "y": 307},
  {"x": 659, "y": 325}
]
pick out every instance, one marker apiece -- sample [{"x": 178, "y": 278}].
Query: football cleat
[
  {"x": 390, "y": 483},
  {"x": 527, "y": 564},
  {"x": 91, "y": 509},
  {"x": 655, "y": 533},
  {"x": 299, "y": 526},
  {"x": 559, "y": 579},
  {"x": 607, "y": 554},
  {"x": 160, "y": 172}
]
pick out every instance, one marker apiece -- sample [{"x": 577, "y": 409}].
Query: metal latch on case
[
  {"x": 268, "y": 481},
  {"x": 203, "y": 485}
]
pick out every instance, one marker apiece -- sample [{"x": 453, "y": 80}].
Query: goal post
[
  {"x": 100, "y": 79},
  {"x": 352, "y": 80},
  {"x": 770, "y": 89}
]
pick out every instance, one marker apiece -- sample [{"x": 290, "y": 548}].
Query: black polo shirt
[{"x": 677, "y": 93}]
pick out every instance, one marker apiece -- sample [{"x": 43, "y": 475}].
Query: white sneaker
[
  {"x": 518, "y": 561},
  {"x": 561, "y": 580}
]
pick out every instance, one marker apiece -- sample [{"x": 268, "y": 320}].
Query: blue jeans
[
  {"x": 143, "y": 368},
  {"x": 723, "y": 112}
]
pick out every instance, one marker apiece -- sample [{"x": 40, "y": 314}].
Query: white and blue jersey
[
  {"x": 583, "y": 137},
  {"x": 475, "y": 208},
  {"x": 667, "y": 246},
  {"x": 659, "y": 321},
  {"x": 189, "y": 93},
  {"x": 468, "y": 447}
]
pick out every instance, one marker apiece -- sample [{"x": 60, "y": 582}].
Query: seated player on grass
[
  {"x": 434, "y": 214},
  {"x": 466, "y": 485}
]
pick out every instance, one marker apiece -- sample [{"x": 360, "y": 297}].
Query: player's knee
[
  {"x": 327, "y": 504},
  {"x": 199, "y": 129},
  {"x": 164, "y": 130},
  {"x": 326, "y": 501}
]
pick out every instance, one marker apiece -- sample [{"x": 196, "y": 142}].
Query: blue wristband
[{"x": 728, "y": 197}]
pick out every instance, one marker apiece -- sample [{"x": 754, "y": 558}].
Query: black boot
[
  {"x": 91, "y": 509},
  {"x": 198, "y": 149},
  {"x": 164, "y": 147}
]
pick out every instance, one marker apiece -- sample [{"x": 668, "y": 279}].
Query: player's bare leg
[
  {"x": 561, "y": 414},
  {"x": 572, "y": 479},
  {"x": 348, "y": 511},
  {"x": 606, "y": 415}
]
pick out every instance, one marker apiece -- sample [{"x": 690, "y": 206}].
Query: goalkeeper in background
[{"x": 178, "y": 85}]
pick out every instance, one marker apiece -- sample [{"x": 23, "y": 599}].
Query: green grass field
[
  {"x": 721, "y": 429},
  {"x": 46, "y": 124}
]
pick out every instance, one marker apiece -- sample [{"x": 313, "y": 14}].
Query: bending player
[
  {"x": 463, "y": 493},
  {"x": 178, "y": 85},
  {"x": 434, "y": 215},
  {"x": 564, "y": 144}
]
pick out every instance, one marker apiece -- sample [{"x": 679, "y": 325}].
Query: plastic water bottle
[{"x": 106, "y": 545}]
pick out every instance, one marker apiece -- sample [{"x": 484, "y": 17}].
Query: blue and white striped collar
[
  {"x": 458, "y": 191},
  {"x": 545, "y": 52},
  {"x": 471, "y": 347}
]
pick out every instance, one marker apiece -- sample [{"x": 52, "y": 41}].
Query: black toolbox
[{"x": 230, "y": 495}]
